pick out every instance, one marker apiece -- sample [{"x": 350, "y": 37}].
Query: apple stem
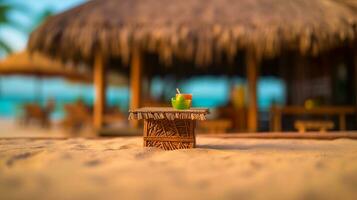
[{"x": 178, "y": 91}]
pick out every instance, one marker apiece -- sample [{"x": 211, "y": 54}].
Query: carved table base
[{"x": 169, "y": 134}]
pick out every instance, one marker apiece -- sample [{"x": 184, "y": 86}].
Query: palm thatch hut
[
  {"x": 40, "y": 66},
  {"x": 36, "y": 64},
  {"x": 22, "y": 63},
  {"x": 200, "y": 32}
]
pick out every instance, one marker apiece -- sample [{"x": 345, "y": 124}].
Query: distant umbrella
[
  {"x": 38, "y": 65},
  {"x": 23, "y": 63},
  {"x": 41, "y": 67}
]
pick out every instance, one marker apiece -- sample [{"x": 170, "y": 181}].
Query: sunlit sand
[
  {"x": 262, "y": 65},
  {"x": 120, "y": 168},
  {"x": 10, "y": 128}
]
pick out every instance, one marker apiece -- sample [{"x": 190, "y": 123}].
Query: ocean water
[
  {"x": 208, "y": 91},
  {"x": 17, "y": 90}
]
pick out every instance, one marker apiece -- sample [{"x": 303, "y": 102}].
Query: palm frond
[
  {"x": 5, "y": 47},
  {"x": 4, "y": 11}
]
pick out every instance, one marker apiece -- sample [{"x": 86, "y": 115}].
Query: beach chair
[
  {"x": 77, "y": 116},
  {"x": 33, "y": 112},
  {"x": 215, "y": 126},
  {"x": 113, "y": 115},
  {"x": 237, "y": 117}
]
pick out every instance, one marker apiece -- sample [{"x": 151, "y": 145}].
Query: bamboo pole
[
  {"x": 100, "y": 91},
  {"x": 252, "y": 73},
  {"x": 135, "y": 83}
]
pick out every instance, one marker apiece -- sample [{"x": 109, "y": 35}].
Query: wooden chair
[
  {"x": 237, "y": 116},
  {"x": 113, "y": 115},
  {"x": 215, "y": 126},
  {"x": 77, "y": 116},
  {"x": 34, "y": 112}
]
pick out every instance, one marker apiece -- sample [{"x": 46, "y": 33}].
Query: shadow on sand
[{"x": 265, "y": 146}]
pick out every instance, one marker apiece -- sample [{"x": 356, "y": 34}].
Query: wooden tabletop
[
  {"x": 170, "y": 109},
  {"x": 341, "y": 111},
  {"x": 168, "y": 113}
]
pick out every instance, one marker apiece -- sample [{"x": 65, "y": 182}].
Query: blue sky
[{"x": 26, "y": 17}]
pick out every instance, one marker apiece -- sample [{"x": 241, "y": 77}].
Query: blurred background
[
  {"x": 277, "y": 84},
  {"x": 19, "y": 18}
]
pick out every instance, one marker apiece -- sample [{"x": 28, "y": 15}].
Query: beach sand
[
  {"x": 120, "y": 168},
  {"x": 10, "y": 128}
]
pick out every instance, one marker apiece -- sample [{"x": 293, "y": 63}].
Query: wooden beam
[
  {"x": 100, "y": 91},
  {"x": 135, "y": 83},
  {"x": 252, "y": 73}
]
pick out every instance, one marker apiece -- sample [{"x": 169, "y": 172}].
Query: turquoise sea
[{"x": 208, "y": 92}]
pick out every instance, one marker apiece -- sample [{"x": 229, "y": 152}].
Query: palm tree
[{"x": 5, "y": 8}]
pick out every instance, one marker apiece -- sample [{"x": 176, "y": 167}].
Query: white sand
[{"x": 219, "y": 169}]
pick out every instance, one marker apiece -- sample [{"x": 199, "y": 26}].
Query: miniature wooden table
[{"x": 168, "y": 128}]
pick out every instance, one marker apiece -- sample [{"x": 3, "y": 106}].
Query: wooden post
[
  {"x": 252, "y": 73},
  {"x": 135, "y": 83},
  {"x": 100, "y": 94},
  {"x": 275, "y": 119},
  {"x": 342, "y": 121},
  {"x": 355, "y": 69}
]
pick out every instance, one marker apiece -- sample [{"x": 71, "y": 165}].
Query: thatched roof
[
  {"x": 23, "y": 63},
  {"x": 197, "y": 30}
]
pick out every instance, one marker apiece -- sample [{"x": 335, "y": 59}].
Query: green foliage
[
  {"x": 4, "y": 47},
  {"x": 4, "y": 20},
  {"x": 41, "y": 17},
  {"x": 6, "y": 7}
]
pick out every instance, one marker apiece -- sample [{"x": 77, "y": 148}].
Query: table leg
[
  {"x": 145, "y": 130},
  {"x": 342, "y": 119},
  {"x": 276, "y": 122}
]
